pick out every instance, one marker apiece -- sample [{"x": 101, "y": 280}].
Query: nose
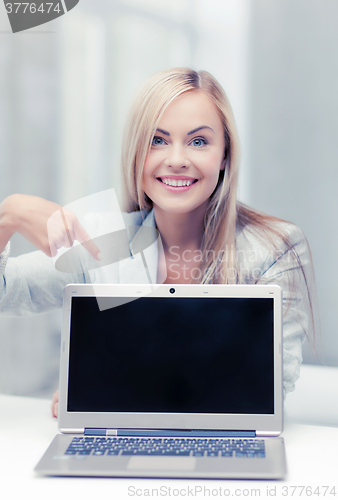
[{"x": 177, "y": 157}]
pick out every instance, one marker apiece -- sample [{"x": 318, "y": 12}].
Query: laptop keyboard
[{"x": 98, "y": 446}]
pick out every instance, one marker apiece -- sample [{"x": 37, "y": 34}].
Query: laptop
[{"x": 168, "y": 381}]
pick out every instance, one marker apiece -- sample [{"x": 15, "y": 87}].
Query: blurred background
[{"x": 66, "y": 86}]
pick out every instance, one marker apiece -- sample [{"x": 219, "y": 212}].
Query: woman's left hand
[{"x": 55, "y": 404}]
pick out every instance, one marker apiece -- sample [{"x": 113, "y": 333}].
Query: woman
[{"x": 180, "y": 163}]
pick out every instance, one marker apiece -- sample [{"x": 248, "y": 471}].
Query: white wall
[{"x": 293, "y": 149}]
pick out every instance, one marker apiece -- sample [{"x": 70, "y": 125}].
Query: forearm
[{"x": 31, "y": 284}]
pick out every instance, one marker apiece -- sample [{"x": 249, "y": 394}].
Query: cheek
[
  {"x": 215, "y": 171},
  {"x": 149, "y": 165},
  {"x": 146, "y": 169},
  {"x": 147, "y": 177},
  {"x": 213, "y": 165}
]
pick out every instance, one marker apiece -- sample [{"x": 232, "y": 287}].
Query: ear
[{"x": 222, "y": 167}]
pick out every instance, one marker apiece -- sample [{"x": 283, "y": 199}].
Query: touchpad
[{"x": 162, "y": 463}]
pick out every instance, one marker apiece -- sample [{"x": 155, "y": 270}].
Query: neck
[{"x": 180, "y": 230}]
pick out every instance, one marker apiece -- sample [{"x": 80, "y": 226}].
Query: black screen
[{"x": 190, "y": 355}]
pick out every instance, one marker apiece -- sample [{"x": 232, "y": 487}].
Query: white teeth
[{"x": 175, "y": 183}]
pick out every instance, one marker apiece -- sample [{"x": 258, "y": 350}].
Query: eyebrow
[
  {"x": 198, "y": 128},
  {"x": 162, "y": 131},
  {"x": 189, "y": 133}
]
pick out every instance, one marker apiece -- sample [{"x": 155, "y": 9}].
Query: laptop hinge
[
  {"x": 184, "y": 433},
  {"x": 100, "y": 432},
  {"x": 168, "y": 433}
]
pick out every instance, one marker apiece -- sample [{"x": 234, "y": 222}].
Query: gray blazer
[{"x": 31, "y": 284}]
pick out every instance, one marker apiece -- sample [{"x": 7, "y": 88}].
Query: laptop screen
[{"x": 169, "y": 354}]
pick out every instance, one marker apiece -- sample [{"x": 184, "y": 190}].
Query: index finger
[{"x": 81, "y": 235}]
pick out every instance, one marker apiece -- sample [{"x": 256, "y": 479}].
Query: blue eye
[
  {"x": 198, "y": 142},
  {"x": 157, "y": 141}
]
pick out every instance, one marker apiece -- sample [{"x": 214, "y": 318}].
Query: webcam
[{"x": 172, "y": 290}]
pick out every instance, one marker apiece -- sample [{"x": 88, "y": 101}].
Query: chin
[{"x": 179, "y": 210}]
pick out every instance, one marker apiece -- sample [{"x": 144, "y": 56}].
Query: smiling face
[{"x": 182, "y": 168}]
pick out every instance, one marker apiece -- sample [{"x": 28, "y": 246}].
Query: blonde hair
[
  {"x": 224, "y": 213},
  {"x": 221, "y": 214}
]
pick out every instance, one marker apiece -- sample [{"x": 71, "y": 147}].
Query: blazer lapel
[{"x": 141, "y": 266}]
